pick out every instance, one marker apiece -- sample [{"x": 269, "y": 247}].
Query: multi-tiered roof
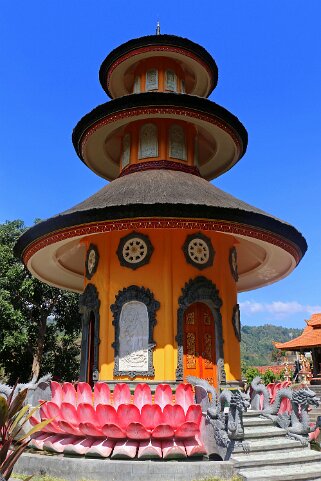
[{"x": 164, "y": 79}]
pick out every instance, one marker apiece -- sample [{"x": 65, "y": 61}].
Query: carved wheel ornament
[
  {"x": 92, "y": 259},
  {"x": 199, "y": 251},
  {"x": 134, "y": 250}
]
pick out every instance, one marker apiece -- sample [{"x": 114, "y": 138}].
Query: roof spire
[{"x": 158, "y": 28}]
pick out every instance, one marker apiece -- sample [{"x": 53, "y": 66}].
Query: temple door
[
  {"x": 199, "y": 343},
  {"x": 91, "y": 349}
]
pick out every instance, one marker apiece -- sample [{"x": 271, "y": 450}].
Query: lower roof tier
[{"x": 268, "y": 249}]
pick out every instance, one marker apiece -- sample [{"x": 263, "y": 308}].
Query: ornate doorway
[{"x": 199, "y": 343}]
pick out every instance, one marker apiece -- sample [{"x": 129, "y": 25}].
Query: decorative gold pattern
[
  {"x": 190, "y": 356},
  {"x": 210, "y": 380},
  {"x": 207, "y": 319},
  {"x": 190, "y": 318},
  {"x": 208, "y": 351}
]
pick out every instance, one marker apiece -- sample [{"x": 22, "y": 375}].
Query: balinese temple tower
[{"x": 159, "y": 254}]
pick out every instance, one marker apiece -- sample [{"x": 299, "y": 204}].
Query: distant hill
[{"x": 256, "y": 345}]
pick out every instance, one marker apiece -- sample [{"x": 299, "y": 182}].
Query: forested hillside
[{"x": 257, "y": 343}]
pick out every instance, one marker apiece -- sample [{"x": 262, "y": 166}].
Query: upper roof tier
[{"x": 196, "y": 70}]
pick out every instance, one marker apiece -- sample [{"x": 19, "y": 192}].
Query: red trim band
[
  {"x": 162, "y": 223},
  {"x": 160, "y": 164}
]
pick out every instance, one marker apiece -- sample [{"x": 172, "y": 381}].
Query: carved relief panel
[
  {"x": 133, "y": 337},
  {"x": 152, "y": 79},
  {"x": 134, "y": 314},
  {"x": 148, "y": 141},
  {"x": 170, "y": 81},
  {"x": 177, "y": 144}
]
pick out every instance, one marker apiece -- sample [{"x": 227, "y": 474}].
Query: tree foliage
[
  {"x": 29, "y": 344},
  {"x": 257, "y": 343}
]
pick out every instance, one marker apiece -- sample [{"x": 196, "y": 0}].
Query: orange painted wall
[{"x": 165, "y": 275}]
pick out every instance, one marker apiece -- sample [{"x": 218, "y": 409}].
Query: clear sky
[{"x": 269, "y": 59}]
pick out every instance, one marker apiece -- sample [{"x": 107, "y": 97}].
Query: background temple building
[{"x": 159, "y": 254}]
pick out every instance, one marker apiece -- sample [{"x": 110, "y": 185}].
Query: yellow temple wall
[{"x": 165, "y": 275}]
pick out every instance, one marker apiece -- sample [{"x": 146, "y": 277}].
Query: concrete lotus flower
[{"x": 121, "y": 425}]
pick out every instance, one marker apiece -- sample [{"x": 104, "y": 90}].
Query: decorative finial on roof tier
[{"x": 158, "y": 28}]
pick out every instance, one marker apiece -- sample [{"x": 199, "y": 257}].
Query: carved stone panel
[
  {"x": 134, "y": 314},
  {"x": 170, "y": 81},
  {"x": 152, "y": 79},
  {"x": 133, "y": 337},
  {"x": 148, "y": 141},
  {"x": 125, "y": 158},
  {"x": 177, "y": 144}
]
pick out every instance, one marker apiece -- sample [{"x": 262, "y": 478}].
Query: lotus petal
[
  {"x": 126, "y": 414},
  {"x": 43, "y": 411},
  {"x": 125, "y": 450},
  {"x": 69, "y": 428},
  {"x": 173, "y": 449},
  {"x": 101, "y": 448},
  {"x": 194, "y": 447},
  {"x": 173, "y": 415},
  {"x": 79, "y": 446},
  {"x": 57, "y": 444},
  {"x": 53, "y": 410},
  {"x": 142, "y": 395},
  {"x": 56, "y": 392},
  {"x": 113, "y": 431},
  {"x": 151, "y": 449},
  {"x": 87, "y": 413},
  {"x": 184, "y": 396},
  {"x": 69, "y": 413},
  {"x": 163, "y": 431},
  {"x": 37, "y": 440},
  {"x": 84, "y": 393},
  {"x": 89, "y": 429},
  {"x": 101, "y": 393},
  {"x": 163, "y": 395},
  {"x": 187, "y": 430},
  {"x": 137, "y": 431},
  {"x": 194, "y": 414},
  {"x": 69, "y": 393},
  {"x": 151, "y": 416},
  {"x": 121, "y": 395},
  {"x": 106, "y": 415}
]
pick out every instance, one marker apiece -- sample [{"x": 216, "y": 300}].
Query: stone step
[
  {"x": 257, "y": 421},
  {"x": 249, "y": 414},
  {"x": 263, "y": 431},
  {"x": 293, "y": 472},
  {"x": 285, "y": 456},
  {"x": 271, "y": 444}
]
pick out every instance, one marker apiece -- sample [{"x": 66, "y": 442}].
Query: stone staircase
[{"x": 273, "y": 456}]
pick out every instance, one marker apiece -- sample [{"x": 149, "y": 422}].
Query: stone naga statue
[
  {"x": 259, "y": 388},
  {"x": 36, "y": 390},
  {"x": 221, "y": 431},
  {"x": 297, "y": 423}
]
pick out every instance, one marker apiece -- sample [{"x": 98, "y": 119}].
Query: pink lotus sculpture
[{"x": 120, "y": 425}]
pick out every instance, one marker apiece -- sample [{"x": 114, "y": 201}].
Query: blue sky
[{"x": 268, "y": 55}]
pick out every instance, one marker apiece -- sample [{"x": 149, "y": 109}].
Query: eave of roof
[
  {"x": 150, "y": 40},
  {"x": 309, "y": 338},
  {"x": 163, "y": 193}
]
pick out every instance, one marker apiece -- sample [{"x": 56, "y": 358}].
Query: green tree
[{"x": 29, "y": 344}]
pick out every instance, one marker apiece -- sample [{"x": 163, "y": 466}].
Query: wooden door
[{"x": 199, "y": 343}]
